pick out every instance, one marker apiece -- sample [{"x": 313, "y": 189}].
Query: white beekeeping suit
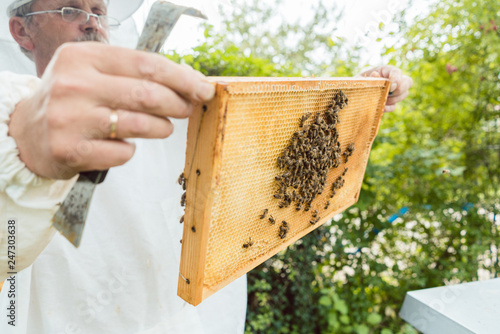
[{"x": 123, "y": 277}]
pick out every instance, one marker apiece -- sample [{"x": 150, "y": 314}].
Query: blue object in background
[
  {"x": 395, "y": 216},
  {"x": 467, "y": 206},
  {"x": 402, "y": 211}
]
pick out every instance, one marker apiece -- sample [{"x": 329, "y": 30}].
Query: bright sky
[{"x": 359, "y": 23}]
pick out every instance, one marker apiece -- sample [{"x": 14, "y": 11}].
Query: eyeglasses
[{"x": 79, "y": 16}]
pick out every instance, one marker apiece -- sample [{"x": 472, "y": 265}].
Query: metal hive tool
[{"x": 231, "y": 164}]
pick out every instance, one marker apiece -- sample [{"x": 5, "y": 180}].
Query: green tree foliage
[
  {"x": 307, "y": 41},
  {"x": 367, "y": 260},
  {"x": 215, "y": 57},
  {"x": 256, "y": 40},
  {"x": 414, "y": 227}
]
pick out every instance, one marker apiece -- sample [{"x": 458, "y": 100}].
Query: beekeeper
[{"x": 123, "y": 277}]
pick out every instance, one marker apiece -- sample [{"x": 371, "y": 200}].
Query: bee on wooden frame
[
  {"x": 314, "y": 221},
  {"x": 181, "y": 179}
]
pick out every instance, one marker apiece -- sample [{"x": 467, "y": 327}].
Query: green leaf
[
  {"x": 341, "y": 306},
  {"x": 386, "y": 331},
  {"x": 333, "y": 320},
  {"x": 344, "y": 319},
  {"x": 325, "y": 301},
  {"x": 374, "y": 319},
  {"x": 362, "y": 329}
]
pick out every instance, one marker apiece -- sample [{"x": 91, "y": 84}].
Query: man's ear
[{"x": 18, "y": 30}]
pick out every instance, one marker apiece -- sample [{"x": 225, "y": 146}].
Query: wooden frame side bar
[{"x": 206, "y": 131}]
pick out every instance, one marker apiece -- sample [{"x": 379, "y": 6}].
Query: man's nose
[{"x": 92, "y": 25}]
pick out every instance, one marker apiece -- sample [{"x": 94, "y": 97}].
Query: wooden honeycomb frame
[{"x": 233, "y": 143}]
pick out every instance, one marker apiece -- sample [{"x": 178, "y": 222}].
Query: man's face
[{"x": 49, "y": 31}]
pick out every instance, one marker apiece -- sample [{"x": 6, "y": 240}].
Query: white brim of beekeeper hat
[
  {"x": 11, "y": 58},
  {"x": 119, "y": 9}
]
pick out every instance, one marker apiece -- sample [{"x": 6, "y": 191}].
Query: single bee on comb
[
  {"x": 249, "y": 243},
  {"x": 284, "y": 228}
]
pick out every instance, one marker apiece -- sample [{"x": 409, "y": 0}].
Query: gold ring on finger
[{"x": 113, "y": 120}]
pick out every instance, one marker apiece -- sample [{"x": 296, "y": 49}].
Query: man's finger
[
  {"x": 394, "y": 74},
  {"x": 131, "y": 124},
  {"x": 404, "y": 85},
  {"x": 390, "y": 108},
  {"x": 141, "y": 95},
  {"x": 104, "y": 154},
  {"x": 398, "y": 98},
  {"x": 142, "y": 65}
]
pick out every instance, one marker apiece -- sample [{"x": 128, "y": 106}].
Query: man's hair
[{"x": 20, "y": 12}]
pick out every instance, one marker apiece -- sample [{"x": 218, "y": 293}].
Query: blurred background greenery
[{"x": 414, "y": 226}]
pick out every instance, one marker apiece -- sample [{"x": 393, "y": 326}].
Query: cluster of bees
[
  {"x": 283, "y": 230},
  {"x": 313, "y": 151}
]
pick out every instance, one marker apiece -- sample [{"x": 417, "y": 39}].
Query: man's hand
[
  {"x": 64, "y": 128},
  {"x": 400, "y": 83}
]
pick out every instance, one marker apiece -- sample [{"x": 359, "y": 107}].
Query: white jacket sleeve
[{"x": 27, "y": 201}]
